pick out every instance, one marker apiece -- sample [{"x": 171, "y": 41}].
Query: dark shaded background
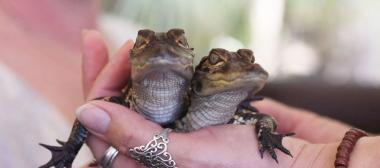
[{"x": 358, "y": 106}]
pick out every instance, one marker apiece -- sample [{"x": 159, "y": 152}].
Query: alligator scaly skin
[
  {"x": 223, "y": 85},
  {"x": 211, "y": 110},
  {"x": 161, "y": 74}
]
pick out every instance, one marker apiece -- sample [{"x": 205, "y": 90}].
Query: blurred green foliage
[{"x": 202, "y": 20}]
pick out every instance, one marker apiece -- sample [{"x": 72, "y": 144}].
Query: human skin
[
  {"x": 40, "y": 42},
  {"x": 314, "y": 145}
]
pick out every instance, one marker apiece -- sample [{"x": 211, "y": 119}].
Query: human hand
[
  {"x": 217, "y": 146},
  {"x": 307, "y": 125}
]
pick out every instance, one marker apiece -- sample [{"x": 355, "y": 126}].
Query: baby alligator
[
  {"x": 162, "y": 68},
  {"x": 223, "y": 86}
]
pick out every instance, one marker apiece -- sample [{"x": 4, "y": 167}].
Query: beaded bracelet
[{"x": 346, "y": 146}]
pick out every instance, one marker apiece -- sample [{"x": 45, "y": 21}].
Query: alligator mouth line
[
  {"x": 221, "y": 84},
  {"x": 250, "y": 77},
  {"x": 183, "y": 70},
  {"x": 186, "y": 74}
]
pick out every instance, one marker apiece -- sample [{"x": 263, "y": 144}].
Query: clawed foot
[
  {"x": 268, "y": 141},
  {"x": 61, "y": 157}
]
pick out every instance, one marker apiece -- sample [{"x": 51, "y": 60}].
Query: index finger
[
  {"x": 94, "y": 58},
  {"x": 114, "y": 76}
]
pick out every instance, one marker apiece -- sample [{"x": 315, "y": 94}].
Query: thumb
[
  {"x": 118, "y": 125},
  {"x": 307, "y": 125}
]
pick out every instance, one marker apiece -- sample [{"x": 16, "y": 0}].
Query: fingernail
[{"x": 93, "y": 118}]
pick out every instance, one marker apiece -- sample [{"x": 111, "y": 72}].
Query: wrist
[
  {"x": 366, "y": 153},
  {"x": 315, "y": 155}
]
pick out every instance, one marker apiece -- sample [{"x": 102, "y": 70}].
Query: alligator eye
[
  {"x": 178, "y": 36},
  {"x": 248, "y": 54},
  {"x": 182, "y": 42},
  {"x": 140, "y": 43},
  {"x": 215, "y": 60},
  {"x": 144, "y": 37}
]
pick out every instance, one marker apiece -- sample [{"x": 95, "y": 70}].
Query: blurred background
[{"x": 321, "y": 55}]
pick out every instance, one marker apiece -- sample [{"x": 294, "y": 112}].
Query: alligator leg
[
  {"x": 246, "y": 104},
  {"x": 265, "y": 127},
  {"x": 64, "y": 155}
]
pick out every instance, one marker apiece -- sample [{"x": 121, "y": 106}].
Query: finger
[
  {"x": 125, "y": 129},
  {"x": 220, "y": 145},
  {"x": 121, "y": 126},
  {"x": 114, "y": 76},
  {"x": 113, "y": 122},
  {"x": 107, "y": 81},
  {"x": 98, "y": 148},
  {"x": 307, "y": 125},
  {"x": 94, "y": 57}
]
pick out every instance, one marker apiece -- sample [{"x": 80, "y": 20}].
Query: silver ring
[
  {"x": 154, "y": 153},
  {"x": 109, "y": 157}
]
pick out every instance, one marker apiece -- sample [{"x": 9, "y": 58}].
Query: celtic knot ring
[{"x": 154, "y": 153}]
